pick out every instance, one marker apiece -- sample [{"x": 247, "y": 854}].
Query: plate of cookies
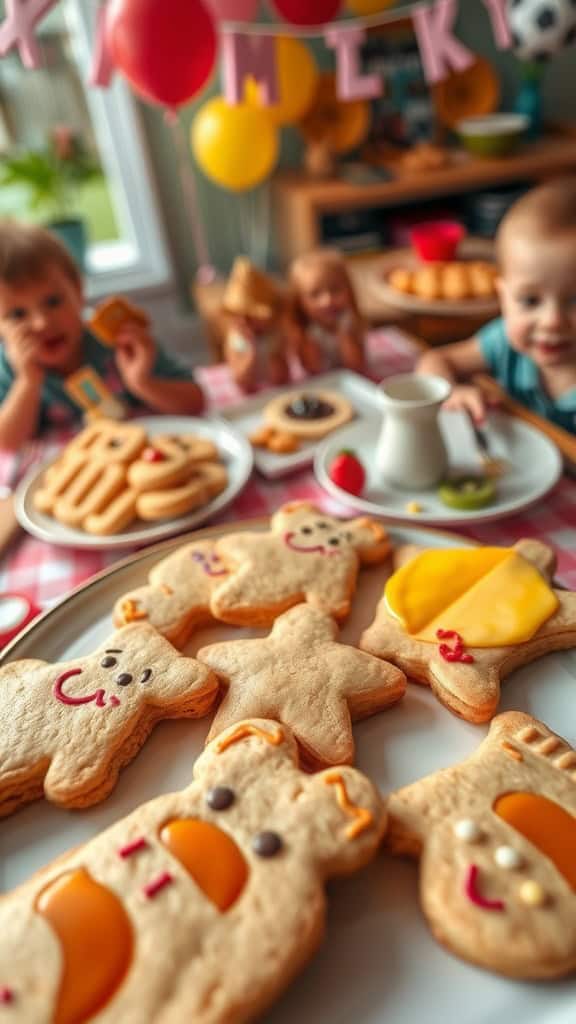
[
  {"x": 121, "y": 483},
  {"x": 464, "y": 286},
  {"x": 195, "y": 744},
  {"x": 285, "y": 426}
]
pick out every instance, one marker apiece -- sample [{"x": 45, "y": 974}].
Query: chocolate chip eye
[
  {"x": 108, "y": 662},
  {"x": 306, "y": 529},
  {"x": 220, "y": 798},
  {"x": 123, "y": 679},
  {"x": 334, "y": 541},
  {"x": 321, "y": 526},
  {"x": 114, "y": 442},
  {"x": 267, "y": 844},
  {"x": 146, "y": 675}
]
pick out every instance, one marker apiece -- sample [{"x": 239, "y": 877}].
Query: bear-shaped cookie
[
  {"x": 305, "y": 556},
  {"x": 68, "y": 729},
  {"x": 199, "y": 906}
]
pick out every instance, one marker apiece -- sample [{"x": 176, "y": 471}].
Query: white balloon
[{"x": 541, "y": 28}]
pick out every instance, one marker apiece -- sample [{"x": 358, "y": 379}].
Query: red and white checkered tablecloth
[{"x": 45, "y": 572}]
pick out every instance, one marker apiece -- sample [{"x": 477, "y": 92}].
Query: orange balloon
[{"x": 337, "y": 124}]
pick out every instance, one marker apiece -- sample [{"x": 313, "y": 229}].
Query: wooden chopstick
[{"x": 565, "y": 442}]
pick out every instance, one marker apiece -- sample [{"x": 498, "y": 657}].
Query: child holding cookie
[
  {"x": 44, "y": 341},
  {"x": 531, "y": 348},
  {"x": 255, "y": 346},
  {"x": 328, "y": 330}
]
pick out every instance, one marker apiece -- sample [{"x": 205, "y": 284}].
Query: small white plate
[
  {"x": 535, "y": 466},
  {"x": 234, "y": 450},
  {"x": 247, "y": 417}
]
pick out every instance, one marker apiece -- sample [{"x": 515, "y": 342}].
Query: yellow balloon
[
  {"x": 236, "y": 147},
  {"x": 297, "y": 80},
  {"x": 362, "y": 7}
]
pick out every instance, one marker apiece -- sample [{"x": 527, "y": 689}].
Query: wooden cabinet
[{"x": 301, "y": 204}]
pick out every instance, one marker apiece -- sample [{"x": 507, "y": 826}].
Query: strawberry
[{"x": 347, "y": 472}]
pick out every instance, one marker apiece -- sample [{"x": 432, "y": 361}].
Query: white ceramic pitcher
[{"x": 411, "y": 453}]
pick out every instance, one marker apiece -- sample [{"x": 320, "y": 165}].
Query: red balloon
[
  {"x": 308, "y": 12},
  {"x": 165, "y": 48}
]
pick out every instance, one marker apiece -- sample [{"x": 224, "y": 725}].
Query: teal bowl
[{"x": 492, "y": 136}]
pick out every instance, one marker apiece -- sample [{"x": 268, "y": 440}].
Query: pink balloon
[{"x": 233, "y": 10}]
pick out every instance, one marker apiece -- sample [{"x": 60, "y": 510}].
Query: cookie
[
  {"x": 301, "y": 676},
  {"x": 68, "y": 729},
  {"x": 461, "y": 620},
  {"x": 199, "y": 906},
  {"x": 111, "y": 316},
  {"x": 177, "y": 596},
  {"x": 496, "y": 840},
  {"x": 305, "y": 556},
  {"x": 277, "y": 441},
  {"x": 309, "y": 414}
]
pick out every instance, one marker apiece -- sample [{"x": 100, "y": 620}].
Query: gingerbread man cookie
[
  {"x": 305, "y": 556},
  {"x": 461, "y": 620},
  {"x": 177, "y": 597},
  {"x": 68, "y": 729},
  {"x": 201, "y": 905},
  {"x": 301, "y": 676},
  {"x": 497, "y": 840}
]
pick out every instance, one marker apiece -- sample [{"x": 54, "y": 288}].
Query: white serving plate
[
  {"x": 535, "y": 465},
  {"x": 234, "y": 450},
  {"x": 247, "y": 417},
  {"x": 378, "y": 964}
]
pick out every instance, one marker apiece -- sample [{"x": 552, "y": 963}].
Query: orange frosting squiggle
[
  {"x": 363, "y": 818},
  {"x": 274, "y": 738}
]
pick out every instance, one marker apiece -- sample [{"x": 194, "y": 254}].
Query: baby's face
[
  {"x": 47, "y": 310},
  {"x": 324, "y": 297},
  {"x": 538, "y": 294}
]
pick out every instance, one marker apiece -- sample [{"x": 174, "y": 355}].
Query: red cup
[{"x": 437, "y": 240}]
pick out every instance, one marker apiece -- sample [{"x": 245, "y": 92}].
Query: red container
[{"x": 437, "y": 240}]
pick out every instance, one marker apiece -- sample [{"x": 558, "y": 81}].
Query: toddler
[
  {"x": 44, "y": 340},
  {"x": 531, "y": 348},
  {"x": 328, "y": 329}
]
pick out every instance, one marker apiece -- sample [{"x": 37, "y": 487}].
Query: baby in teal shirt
[
  {"x": 44, "y": 340},
  {"x": 531, "y": 349}
]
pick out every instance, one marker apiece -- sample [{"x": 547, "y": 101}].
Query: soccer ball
[{"x": 540, "y": 28}]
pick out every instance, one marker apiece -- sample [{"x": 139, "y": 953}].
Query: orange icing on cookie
[
  {"x": 492, "y": 597},
  {"x": 363, "y": 817},
  {"x": 131, "y": 612},
  {"x": 274, "y": 738},
  {"x": 96, "y": 939},
  {"x": 544, "y": 824},
  {"x": 210, "y": 856}
]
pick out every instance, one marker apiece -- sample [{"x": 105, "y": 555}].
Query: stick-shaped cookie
[
  {"x": 303, "y": 677},
  {"x": 305, "y": 556},
  {"x": 461, "y": 620},
  {"x": 201, "y": 905},
  {"x": 497, "y": 840},
  {"x": 177, "y": 597},
  {"x": 68, "y": 729}
]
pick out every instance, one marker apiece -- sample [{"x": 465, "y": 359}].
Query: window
[{"x": 126, "y": 247}]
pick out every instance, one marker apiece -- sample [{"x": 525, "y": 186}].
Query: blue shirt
[
  {"x": 519, "y": 376},
  {"x": 56, "y": 405}
]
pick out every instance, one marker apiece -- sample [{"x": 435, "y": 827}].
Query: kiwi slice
[{"x": 467, "y": 493}]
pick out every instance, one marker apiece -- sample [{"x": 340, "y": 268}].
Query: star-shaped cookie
[
  {"x": 496, "y": 839},
  {"x": 466, "y": 678},
  {"x": 301, "y": 676}
]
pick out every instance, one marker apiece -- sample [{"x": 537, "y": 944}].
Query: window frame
[{"x": 118, "y": 130}]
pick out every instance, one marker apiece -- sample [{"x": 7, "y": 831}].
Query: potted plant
[{"x": 53, "y": 175}]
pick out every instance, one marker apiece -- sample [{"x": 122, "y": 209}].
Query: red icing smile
[
  {"x": 473, "y": 893},
  {"x": 98, "y": 697},
  {"x": 319, "y": 549}
]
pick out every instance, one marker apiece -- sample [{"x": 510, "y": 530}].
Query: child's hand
[
  {"x": 135, "y": 355},
  {"x": 469, "y": 399},
  {"x": 22, "y": 352}
]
